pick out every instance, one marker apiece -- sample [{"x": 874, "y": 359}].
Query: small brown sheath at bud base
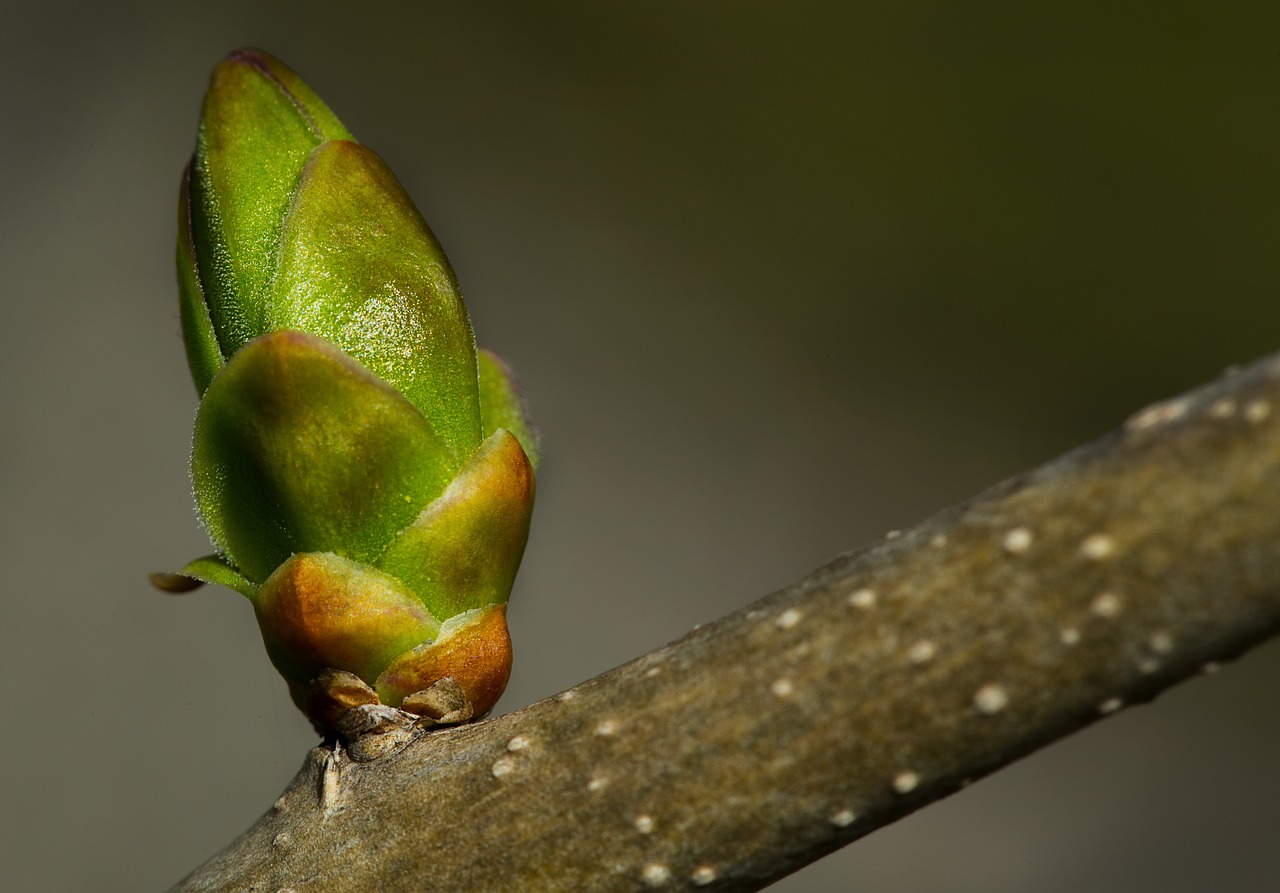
[{"x": 330, "y": 696}]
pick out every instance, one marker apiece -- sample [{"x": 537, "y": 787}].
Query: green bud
[{"x": 365, "y": 474}]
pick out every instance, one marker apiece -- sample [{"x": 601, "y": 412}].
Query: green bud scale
[{"x": 366, "y": 475}]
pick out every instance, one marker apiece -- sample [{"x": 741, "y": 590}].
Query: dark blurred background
[{"x": 777, "y": 278}]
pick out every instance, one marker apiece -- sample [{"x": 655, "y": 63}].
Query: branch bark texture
[{"x": 884, "y": 681}]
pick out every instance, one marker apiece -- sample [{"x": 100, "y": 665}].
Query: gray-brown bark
[{"x": 884, "y": 681}]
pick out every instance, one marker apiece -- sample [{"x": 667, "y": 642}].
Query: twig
[{"x": 883, "y": 682}]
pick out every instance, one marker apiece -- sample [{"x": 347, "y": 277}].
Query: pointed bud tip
[
  {"x": 259, "y": 60},
  {"x": 235, "y": 64},
  {"x": 251, "y": 56}
]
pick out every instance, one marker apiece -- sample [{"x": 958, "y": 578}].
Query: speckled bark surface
[{"x": 884, "y": 681}]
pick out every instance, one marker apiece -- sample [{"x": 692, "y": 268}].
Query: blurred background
[{"x": 777, "y": 278}]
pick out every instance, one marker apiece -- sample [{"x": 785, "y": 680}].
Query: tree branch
[{"x": 885, "y": 681}]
